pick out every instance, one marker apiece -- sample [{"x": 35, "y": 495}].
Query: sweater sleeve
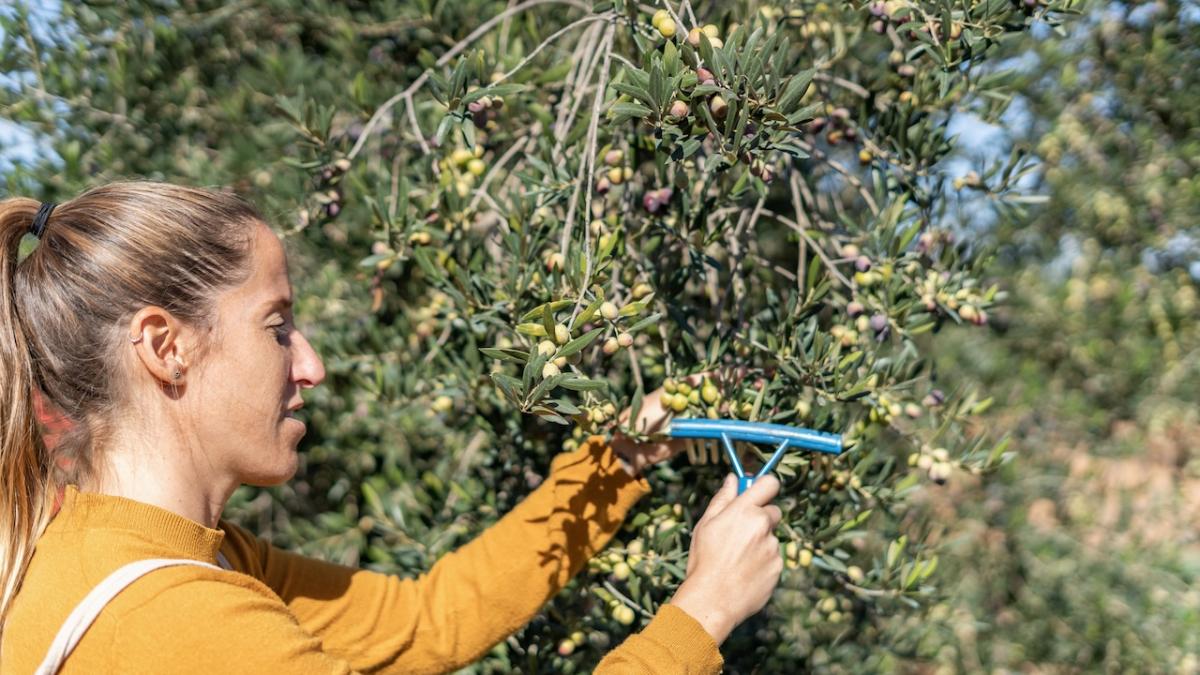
[
  {"x": 673, "y": 643},
  {"x": 471, "y": 598}
]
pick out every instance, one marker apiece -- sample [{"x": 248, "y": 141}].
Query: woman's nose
[{"x": 307, "y": 367}]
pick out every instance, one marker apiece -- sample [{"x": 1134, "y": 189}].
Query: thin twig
[
  {"x": 737, "y": 285},
  {"x": 624, "y": 61},
  {"x": 446, "y": 58},
  {"x": 502, "y": 42},
  {"x": 854, "y": 180},
  {"x": 576, "y": 93},
  {"x": 437, "y": 347},
  {"x": 801, "y": 264},
  {"x": 534, "y": 131},
  {"x": 637, "y": 370},
  {"x": 691, "y": 15},
  {"x": 750, "y": 224},
  {"x": 385, "y": 29},
  {"x": 411, "y": 107},
  {"x": 464, "y": 461},
  {"x": 579, "y": 63},
  {"x": 843, "y": 83},
  {"x": 625, "y": 600},
  {"x": 588, "y": 166},
  {"x": 803, "y": 225},
  {"x": 678, "y": 21},
  {"x": 558, "y": 33},
  {"x": 394, "y": 197},
  {"x": 829, "y": 264},
  {"x": 787, "y": 274},
  {"x": 809, "y": 198}
]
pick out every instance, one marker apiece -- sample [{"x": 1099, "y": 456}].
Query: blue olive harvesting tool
[{"x": 782, "y": 436}]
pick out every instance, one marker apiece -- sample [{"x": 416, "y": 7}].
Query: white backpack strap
[{"x": 89, "y": 608}]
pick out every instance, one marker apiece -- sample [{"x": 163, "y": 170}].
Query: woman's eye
[{"x": 281, "y": 330}]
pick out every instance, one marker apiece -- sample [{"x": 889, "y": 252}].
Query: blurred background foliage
[
  {"x": 970, "y": 236},
  {"x": 1082, "y": 556}
]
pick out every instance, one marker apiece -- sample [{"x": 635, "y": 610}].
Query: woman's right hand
[{"x": 734, "y": 563}]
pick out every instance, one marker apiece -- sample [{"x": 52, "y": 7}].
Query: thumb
[
  {"x": 763, "y": 490},
  {"x": 722, "y": 499}
]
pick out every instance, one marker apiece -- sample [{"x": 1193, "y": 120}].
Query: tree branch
[{"x": 444, "y": 59}]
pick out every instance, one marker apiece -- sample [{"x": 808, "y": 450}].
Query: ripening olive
[{"x": 611, "y": 346}]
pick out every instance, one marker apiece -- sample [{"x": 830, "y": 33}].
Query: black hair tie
[{"x": 39, "y": 221}]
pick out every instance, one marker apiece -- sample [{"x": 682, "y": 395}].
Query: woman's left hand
[{"x": 652, "y": 418}]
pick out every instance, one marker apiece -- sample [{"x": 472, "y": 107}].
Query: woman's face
[{"x": 250, "y": 381}]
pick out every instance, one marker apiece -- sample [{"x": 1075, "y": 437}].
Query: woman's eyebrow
[{"x": 284, "y": 303}]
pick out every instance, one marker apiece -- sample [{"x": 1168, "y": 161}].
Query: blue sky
[{"x": 16, "y": 144}]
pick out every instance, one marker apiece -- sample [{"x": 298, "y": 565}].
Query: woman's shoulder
[
  {"x": 215, "y": 619},
  {"x": 177, "y": 603}
]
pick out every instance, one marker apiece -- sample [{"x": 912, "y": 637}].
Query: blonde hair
[{"x": 64, "y": 315}]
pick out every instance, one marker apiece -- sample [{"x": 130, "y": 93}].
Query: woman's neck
[{"x": 164, "y": 475}]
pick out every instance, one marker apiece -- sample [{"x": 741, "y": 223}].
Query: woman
[{"x": 158, "y": 318}]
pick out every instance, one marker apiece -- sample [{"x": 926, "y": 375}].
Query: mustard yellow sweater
[{"x": 279, "y": 612}]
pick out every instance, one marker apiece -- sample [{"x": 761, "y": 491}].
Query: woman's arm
[
  {"x": 733, "y": 567},
  {"x": 471, "y": 598},
  {"x": 672, "y": 643}
]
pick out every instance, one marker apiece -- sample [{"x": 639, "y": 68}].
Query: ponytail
[
  {"x": 64, "y": 313},
  {"x": 24, "y": 465}
]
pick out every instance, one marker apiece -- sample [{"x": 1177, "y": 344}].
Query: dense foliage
[
  {"x": 1083, "y": 555},
  {"x": 510, "y": 220}
]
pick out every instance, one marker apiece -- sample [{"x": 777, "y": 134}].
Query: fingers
[
  {"x": 672, "y": 447},
  {"x": 774, "y": 515},
  {"x": 762, "y": 491},
  {"x": 651, "y": 418},
  {"x": 650, "y": 399},
  {"x": 722, "y": 499}
]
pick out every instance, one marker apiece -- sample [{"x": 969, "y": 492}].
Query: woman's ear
[{"x": 157, "y": 338}]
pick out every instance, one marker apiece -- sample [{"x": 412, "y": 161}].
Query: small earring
[{"x": 137, "y": 340}]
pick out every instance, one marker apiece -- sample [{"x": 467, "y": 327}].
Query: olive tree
[{"x": 515, "y": 219}]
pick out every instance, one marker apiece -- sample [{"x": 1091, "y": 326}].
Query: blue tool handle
[
  {"x": 744, "y": 483},
  {"x": 756, "y": 432},
  {"x": 728, "y": 431}
]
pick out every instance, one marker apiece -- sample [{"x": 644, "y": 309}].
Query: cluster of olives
[
  {"x": 833, "y": 609},
  {"x": 885, "y": 410},
  {"x": 425, "y": 317},
  {"x": 934, "y": 461},
  {"x": 967, "y": 302},
  {"x": 461, "y": 169},
  {"x": 484, "y": 111},
  {"x": 620, "y": 563},
  {"x": 617, "y": 172},
  {"x": 667, "y": 27},
  {"x": 679, "y": 396}
]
